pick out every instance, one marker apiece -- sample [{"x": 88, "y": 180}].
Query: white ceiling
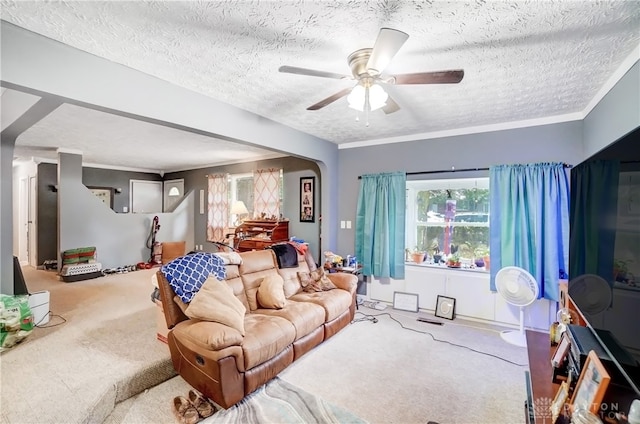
[{"x": 545, "y": 61}]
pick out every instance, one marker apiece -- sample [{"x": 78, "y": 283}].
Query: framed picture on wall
[
  {"x": 103, "y": 193},
  {"x": 307, "y": 206}
]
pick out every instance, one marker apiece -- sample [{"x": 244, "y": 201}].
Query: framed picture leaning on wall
[{"x": 307, "y": 206}]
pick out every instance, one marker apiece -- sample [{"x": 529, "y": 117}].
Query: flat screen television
[{"x": 604, "y": 250}]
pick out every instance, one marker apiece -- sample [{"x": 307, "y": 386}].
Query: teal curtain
[
  {"x": 594, "y": 210},
  {"x": 529, "y": 224},
  {"x": 380, "y": 222}
]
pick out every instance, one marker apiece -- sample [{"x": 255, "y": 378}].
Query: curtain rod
[{"x": 453, "y": 169}]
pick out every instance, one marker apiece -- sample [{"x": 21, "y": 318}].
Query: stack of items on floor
[
  {"x": 80, "y": 264},
  {"x": 16, "y": 320}
]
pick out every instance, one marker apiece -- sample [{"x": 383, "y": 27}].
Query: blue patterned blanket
[{"x": 187, "y": 274}]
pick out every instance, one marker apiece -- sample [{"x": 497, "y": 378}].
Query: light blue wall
[
  {"x": 616, "y": 115},
  {"x": 553, "y": 143}
]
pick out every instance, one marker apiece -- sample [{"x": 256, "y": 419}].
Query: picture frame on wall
[
  {"x": 307, "y": 206},
  {"x": 591, "y": 386},
  {"x": 105, "y": 194}
]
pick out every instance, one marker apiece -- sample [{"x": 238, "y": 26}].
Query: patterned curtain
[
  {"x": 266, "y": 186},
  {"x": 217, "y": 207}
]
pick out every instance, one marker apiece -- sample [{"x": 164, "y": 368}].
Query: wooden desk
[
  {"x": 543, "y": 389},
  {"x": 259, "y": 234}
]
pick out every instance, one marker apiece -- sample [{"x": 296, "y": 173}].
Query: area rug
[{"x": 282, "y": 402}]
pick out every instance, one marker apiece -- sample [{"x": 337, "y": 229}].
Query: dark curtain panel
[{"x": 593, "y": 212}]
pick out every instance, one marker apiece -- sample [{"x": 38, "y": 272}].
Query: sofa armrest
[
  {"x": 172, "y": 313},
  {"x": 344, "y": 281},
  {"x": 207, "y": 334}
]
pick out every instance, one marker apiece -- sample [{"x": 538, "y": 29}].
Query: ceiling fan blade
[
  {"x": 312, "y": 72},
  {"x": 330, "y": 99},
  {"x": 391, "y": 106},
  {"x": 442, "y": 77},
  {"x": 387, "y": 45}
]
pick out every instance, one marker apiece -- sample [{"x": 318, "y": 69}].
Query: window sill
[{"x": 445, "y": 267}]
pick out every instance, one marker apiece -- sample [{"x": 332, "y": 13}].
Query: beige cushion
[
  {"x": 315, "y": 281},
  {"x": 215, "y": 302},
  {"x": 271, "y": 292}
]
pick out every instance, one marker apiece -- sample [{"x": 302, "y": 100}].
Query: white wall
[
  {"x": 22, "y": 171},
  {"x": 474, "y": 300},
  {"x": 120, "y": 239}
]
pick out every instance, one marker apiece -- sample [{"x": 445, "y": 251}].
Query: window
[
  {"x": 242, "y": 187},
  {"x": 450, "y": 216}
]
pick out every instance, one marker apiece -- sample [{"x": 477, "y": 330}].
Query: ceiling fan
[{"x": 367, "y": 68}]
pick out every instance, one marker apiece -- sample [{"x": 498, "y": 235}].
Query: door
[
  {"x": 23, "y": 219},
  {"x": 146, "y": 196},
  {"x": 173, "y": 193},
  {"x": 32, "y": 252}
]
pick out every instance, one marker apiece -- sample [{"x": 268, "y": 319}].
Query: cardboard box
[{"x": 161, "y": 323}]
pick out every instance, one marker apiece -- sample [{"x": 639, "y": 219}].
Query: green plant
[
  {"x": 621, "y": 266},
  {"x": 454, "y": 258},
  {"x": 481, "y": 250}
]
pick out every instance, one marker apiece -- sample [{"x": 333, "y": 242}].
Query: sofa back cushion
[
  {"x": 235, "y": 282},
  {"x": 290, "y": 276},
  {"x": 256, "y": 265}
]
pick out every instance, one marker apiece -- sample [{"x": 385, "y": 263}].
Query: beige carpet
[
  {"x": 105, "y": 352},
  {"x": 386, "y": 374}
]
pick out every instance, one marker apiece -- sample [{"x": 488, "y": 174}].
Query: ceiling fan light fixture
[{"x": 358, "y": 97}]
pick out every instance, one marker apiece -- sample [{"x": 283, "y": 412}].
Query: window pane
[
  {"x": 451, "y": 216},
  {"x": 244, "y": 192}
]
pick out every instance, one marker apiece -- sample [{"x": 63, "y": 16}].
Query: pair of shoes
[
  {"x": 204, "y": 407},
  {"x": 185, "y": 411}
]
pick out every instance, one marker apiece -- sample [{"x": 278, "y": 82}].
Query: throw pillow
[
  {"x": 315, "y": 281},
  {"x": 271, "y": 292},
  {"x": 216, "y": 302}
]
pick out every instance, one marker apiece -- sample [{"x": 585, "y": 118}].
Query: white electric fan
[
  {"x": 518, "y": 287},
  {"x": 591, "y": 293}
]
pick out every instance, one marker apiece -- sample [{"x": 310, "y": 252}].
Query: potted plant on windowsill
[
  {"x": 418, "y": 256},
  {"x": 454, "y": 261},
  {"x": 620, "y": 270},
  {"x": 437, "y": 257},
  {"x": 480, "y": 253}
]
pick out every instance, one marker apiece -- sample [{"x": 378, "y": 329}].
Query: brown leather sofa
[{"x": 225, "y": 366}]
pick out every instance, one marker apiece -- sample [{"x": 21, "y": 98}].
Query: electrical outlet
[
  {"x": 342, "y": 225},
  {"x": 348, "y": 225}
]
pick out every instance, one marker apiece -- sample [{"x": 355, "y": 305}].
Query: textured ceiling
[{"x": 522, "y": 60}]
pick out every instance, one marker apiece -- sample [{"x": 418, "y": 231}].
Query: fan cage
[{"x": 517, "y": 286}]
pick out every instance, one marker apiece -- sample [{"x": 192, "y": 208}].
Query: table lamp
[{"x": 238, "y": 209}]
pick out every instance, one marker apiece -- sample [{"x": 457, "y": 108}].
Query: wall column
[{"x": 7, "y": 143}]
